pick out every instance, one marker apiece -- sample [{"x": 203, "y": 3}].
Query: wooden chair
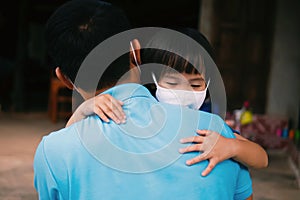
[{"x": 57, "y": 97}]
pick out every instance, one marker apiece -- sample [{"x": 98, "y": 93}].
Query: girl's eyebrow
[
  {"x": 171, "y": 76},
  {"x": 197, "y": 79}
]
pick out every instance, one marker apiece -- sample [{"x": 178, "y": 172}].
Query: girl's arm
[
  {"x": 249, "y": 153},
  {"x": 104, "y": 105},
  {"x": 217, "y": 148}
]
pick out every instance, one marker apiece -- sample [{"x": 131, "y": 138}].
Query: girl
[{"x": 180, "y": 83}]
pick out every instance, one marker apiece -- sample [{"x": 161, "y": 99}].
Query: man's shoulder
[
  {"x": 206, "y": 116},
  {"x": 188, "y": 111},
  {"x": 209, "y": 115},
  {"x": 69, "y": 136},
  {"x": 58, "y": 140},
  {"x": 60, "y": 134},
  {"x": 61, "y": 147}
]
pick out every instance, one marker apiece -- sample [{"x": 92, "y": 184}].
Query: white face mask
[{"x": 190, "y": 99}]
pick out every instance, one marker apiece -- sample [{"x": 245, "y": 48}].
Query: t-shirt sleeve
[
  {"x": 235, "y": 131},
  {"x": 44, "y": 182},
  {"x": 244, "y": 184}
]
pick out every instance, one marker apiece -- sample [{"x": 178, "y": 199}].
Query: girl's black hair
[{"x": 188, "y": 59}]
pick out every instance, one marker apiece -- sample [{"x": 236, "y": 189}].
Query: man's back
[{"x": 136, "y": 160}]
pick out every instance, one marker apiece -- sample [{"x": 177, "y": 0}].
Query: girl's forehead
[{"x": 184, "y": 75}]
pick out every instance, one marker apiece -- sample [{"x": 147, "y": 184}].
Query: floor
[
  {"x": 278, "y": 181},
  {"x": 21, "y": 133},
  {"x": 19, "y": 137}
]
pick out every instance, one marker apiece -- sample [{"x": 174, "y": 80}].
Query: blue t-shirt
[{"x": 136, "y": 160}]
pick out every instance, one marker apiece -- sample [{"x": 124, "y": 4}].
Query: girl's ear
[{"x": 65, "y": 80}]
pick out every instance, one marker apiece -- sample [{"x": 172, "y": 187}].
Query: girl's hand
[
  {"x": 213, "y": 146},
  {"x": 103, "y": 105},
  {"x": 107, "y": 107}
]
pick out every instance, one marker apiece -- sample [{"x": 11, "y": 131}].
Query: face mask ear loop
[
  {"x": 74, "y": 86},
  {"x": 154, "y": 79},
  {"x": 208, "y": 79},
  {"x": 207, "y": 84},
  {"x": 134, "y": 56}
]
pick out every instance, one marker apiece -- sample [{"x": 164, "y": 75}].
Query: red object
[
  {"x": 291, "y": 134},
  {"x": 246, "y": 104}
]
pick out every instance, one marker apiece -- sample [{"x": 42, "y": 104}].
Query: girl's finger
[
  {"x": 196, "y": 159},
  {"x": 113, "y": 105},
  {"x": 108, "y": 112},
  {"x": 194, "y": 139},
  {"x": 209, "y": 168},
  {"x": 192, "y": 148},
  {"x": 203, "y": 132},
  {"x": 101, "y": 115},
  {"x": 116, "y": 107}
]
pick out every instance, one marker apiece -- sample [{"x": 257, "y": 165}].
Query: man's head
[{"x": 77, "y": 27}]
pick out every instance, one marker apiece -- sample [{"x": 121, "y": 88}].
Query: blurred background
[{"x": 256, "y": 44}]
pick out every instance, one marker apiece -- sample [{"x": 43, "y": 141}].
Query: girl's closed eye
[
  {"x": 198, "y": 84},
  {"x": 172, "y": 83}
]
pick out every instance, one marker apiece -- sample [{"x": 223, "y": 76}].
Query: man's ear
[
  {"x": 135, "y": 57},
  {"x": 65, "y": 80}
]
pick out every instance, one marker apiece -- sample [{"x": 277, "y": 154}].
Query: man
[{"x": 137, "y": 160}]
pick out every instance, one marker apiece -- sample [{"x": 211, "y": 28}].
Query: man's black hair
[{"x": 78, "y": 26}]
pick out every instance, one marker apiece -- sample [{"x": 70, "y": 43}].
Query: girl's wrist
[
  {"x": 84, "y": 109},
  {"x": 234, "y": 148}
]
